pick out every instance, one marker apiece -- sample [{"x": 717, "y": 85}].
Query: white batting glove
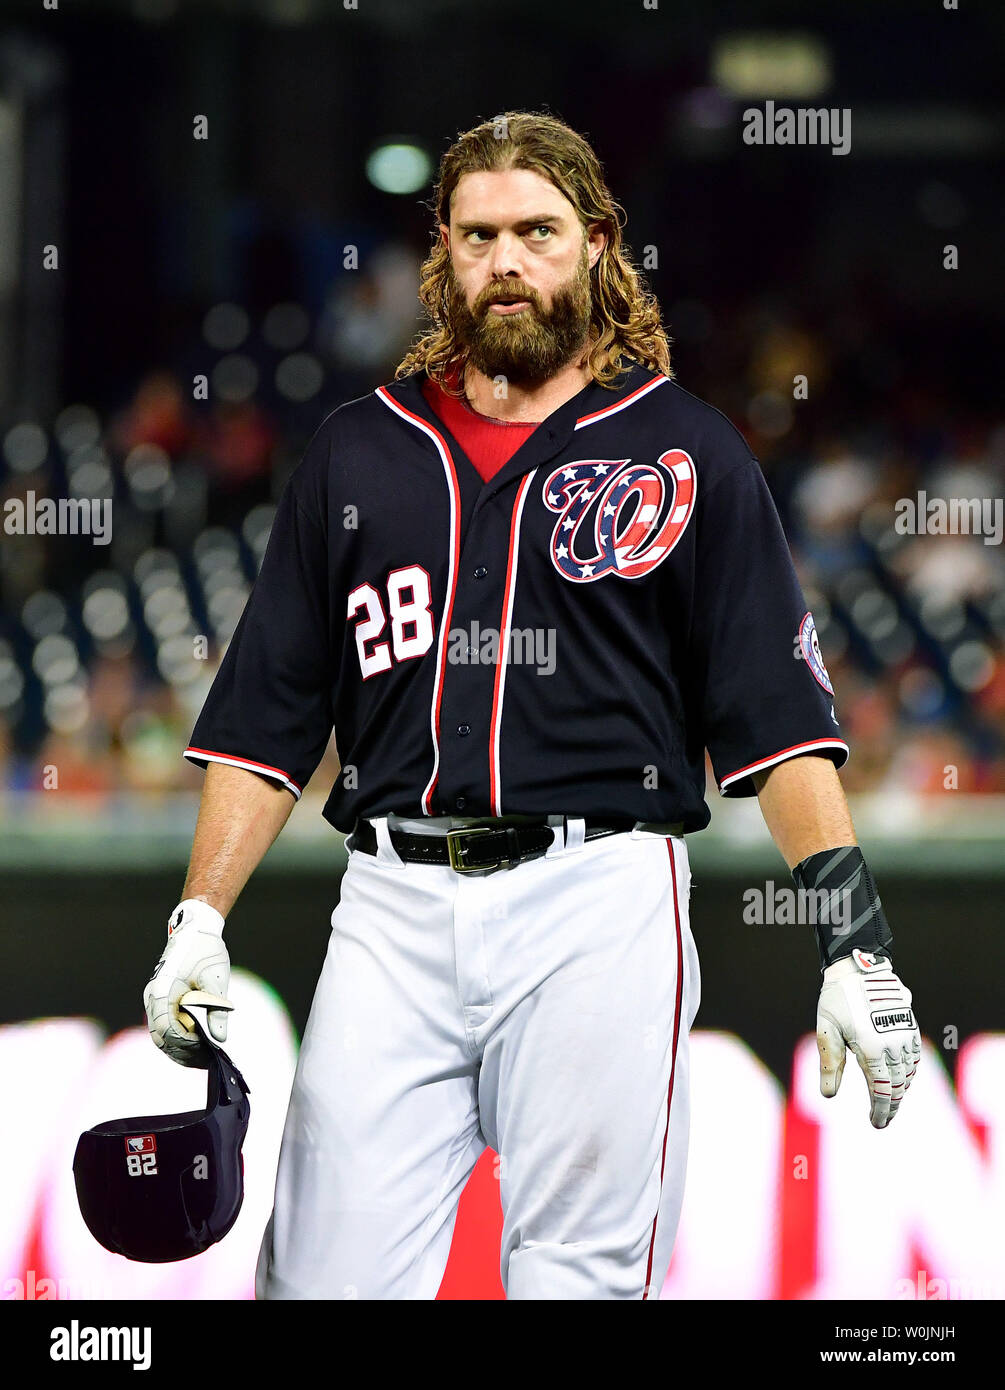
[
  {"x": 195, "y": 959},
  {"x": 864, "y": 1006}
]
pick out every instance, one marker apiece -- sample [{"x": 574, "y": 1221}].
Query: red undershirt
[{"x": 488, "y": 443}]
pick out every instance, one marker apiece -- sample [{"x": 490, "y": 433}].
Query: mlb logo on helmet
[{"x": 141, "y": 1144}]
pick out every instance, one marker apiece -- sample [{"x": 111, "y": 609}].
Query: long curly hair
[{"x": 625, "y": 320}]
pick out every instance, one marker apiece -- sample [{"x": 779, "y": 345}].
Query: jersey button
[
  {"x": 461, "y": 802},
  {"x": 481, "y": 572},
  {"x": 463, "y": 729}
]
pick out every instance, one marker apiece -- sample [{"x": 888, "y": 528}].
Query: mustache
[{"x": 493, "y": 294}]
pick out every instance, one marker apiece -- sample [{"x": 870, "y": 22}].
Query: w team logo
[{"x": 618, "y": 517}]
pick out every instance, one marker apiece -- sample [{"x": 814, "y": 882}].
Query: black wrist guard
[{"x": 844, "y": 906}]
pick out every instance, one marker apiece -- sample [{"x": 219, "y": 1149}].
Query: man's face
[{"x": 519, "y": 293}]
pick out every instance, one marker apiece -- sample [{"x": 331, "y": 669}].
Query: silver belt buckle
[{"x": 456, "y": 849}]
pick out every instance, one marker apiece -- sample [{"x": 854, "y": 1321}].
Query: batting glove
[
  {"x": 864, "y": 1006},
  {"x": 195, "y": 959}
]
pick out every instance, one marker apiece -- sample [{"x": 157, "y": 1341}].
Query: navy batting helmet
[{"x": 165, "y": 1187}]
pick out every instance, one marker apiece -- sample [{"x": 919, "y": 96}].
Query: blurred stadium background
[{"x": 278, "y": 258}]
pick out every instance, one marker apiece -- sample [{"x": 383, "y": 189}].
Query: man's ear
[
  {"x": 445, "y": 235},
  {"x": 596, "y": 240}
]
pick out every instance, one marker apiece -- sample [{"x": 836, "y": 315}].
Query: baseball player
[{"x": 528, "y": 583}]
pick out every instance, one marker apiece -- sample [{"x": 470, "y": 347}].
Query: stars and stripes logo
[{"x": 616, "y": 516}]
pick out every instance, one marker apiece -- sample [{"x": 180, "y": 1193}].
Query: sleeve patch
[{"x": 809, "y": 645}]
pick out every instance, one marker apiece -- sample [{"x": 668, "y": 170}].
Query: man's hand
[
  {"x": 195, "y": 958},
  {"x": 864, "y": 1006}
]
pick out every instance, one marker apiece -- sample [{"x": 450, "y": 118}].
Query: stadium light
[
  {"x": 299, "y": 376},
  {"x": 226, "y": 326},
  {"x": 25, "y": 447},
  {"x": 286, "y": 326},
  {"x": 399, "y": 167},
  {"x": 771, "y": 65}
]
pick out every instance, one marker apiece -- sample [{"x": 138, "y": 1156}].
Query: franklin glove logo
[{"x": 892, "y": 1019}]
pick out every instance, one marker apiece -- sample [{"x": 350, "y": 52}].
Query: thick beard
[{"x": 529, "y": 347}]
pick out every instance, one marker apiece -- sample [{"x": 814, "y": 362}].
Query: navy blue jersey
[{"x": 566, "y": 638}]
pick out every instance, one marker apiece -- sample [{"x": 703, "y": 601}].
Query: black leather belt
[{"x": 477, "y": 848}]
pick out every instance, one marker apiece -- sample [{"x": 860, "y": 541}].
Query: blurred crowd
[{"x": 107, "y": 651}]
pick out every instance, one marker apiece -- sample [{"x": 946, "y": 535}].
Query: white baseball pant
[{"x": 542, "y": 1010}]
